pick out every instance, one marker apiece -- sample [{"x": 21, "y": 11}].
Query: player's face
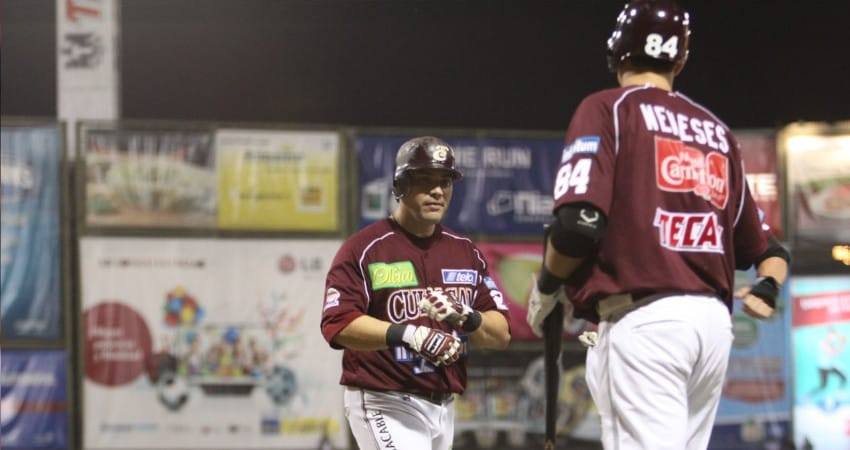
[{"x": 429, "y": 196}]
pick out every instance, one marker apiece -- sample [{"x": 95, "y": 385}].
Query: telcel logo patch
[{"x": 454, "y": 276}]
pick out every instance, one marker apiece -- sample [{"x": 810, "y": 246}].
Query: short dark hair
[{"x": 639, "y": 63}]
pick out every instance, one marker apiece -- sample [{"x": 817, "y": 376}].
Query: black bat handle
[{"x": 553, "y": 331}]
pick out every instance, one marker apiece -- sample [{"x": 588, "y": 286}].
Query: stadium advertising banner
[
  {"x": 755, "y": 407},
  {"x": 760, "y": 162},
  {"x": 821, "y": 343},
  {"x": 278, "y": 180},
  {"x": 33, "y": 386},
  {"x": 149, "y": 177},
  {"x": 503, "y": 406},
  {"x": 214, "y": 343},
  {"x": 506, "y": 186},
  {"x": 30, "y": 275},
  {"x": 514, "y": 267},
  {"x": 818, "y": 165}
]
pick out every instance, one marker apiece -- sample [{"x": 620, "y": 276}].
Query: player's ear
[
  {"x": 677, "y": 69},
  {"x": 401, "y": 185}
]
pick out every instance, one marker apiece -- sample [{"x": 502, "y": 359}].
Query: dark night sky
[{"x": 459, "y": 64}]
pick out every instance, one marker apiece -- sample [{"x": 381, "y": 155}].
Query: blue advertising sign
[
  {"x": 755, "y": 407},
  {"x": 30, "y": 221},
  {"x": 506, "y": 186},
  {"x": 33, "y": 385},
  {"x": 821, "y": 342}
]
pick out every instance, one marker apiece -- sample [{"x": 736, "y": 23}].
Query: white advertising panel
[{"x": 208, "y": 343}]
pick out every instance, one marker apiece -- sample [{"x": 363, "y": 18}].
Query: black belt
[
  {"x": 614, "y": 307},
  {"x": 437, "y": 398}
]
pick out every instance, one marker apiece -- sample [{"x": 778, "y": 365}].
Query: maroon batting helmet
[
  {"x": 652, "y": 32},
  {"x": 424, "y": 152}
]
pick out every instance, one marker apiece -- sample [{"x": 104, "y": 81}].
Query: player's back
[{"x": 675, "y": 189}]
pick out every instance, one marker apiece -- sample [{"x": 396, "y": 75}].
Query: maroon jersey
[
  {"x": 668, "y": 176},
  {"x": 383, "y": 271}
]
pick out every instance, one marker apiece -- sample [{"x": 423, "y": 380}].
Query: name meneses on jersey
[{"x": 657, "y": 118}]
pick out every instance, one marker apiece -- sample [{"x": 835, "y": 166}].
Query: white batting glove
[
  {"x": 437, "y": 346},
  {"x": 440, "y": 305},
  {"x": 541, "y": 305},
  {"x": 589, "y": 338}
]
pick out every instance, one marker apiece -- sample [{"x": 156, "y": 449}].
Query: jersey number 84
[{"x": 575, "y": 176}]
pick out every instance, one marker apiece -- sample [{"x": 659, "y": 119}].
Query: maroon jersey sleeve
[
  {"x": 586, "y": 172},
  {"x": 488, "y": 297},
  {"x": 345, "y": 294},
  {"x": 750, "y": 235}
]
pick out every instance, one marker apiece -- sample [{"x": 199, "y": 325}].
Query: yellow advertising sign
[{"x": 278, "y": 180}]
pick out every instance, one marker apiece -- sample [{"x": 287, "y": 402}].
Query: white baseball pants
[
  {"x": 395, "y": 420},
  {"x": 657, "y": 373}
]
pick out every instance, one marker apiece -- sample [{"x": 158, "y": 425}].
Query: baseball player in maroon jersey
[
  {"x": 652, "y": 217},
  {"x": 403, "y": 297}
]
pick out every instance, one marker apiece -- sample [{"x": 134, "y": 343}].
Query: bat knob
[{"x": 549, "y": 445}]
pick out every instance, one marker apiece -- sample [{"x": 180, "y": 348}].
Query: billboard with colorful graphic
[{"x": 215, "y": 343}]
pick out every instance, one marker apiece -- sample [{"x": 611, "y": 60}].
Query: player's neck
[
  {"x": 661, "y": 81},
  {"x": 415, "y": 227}
]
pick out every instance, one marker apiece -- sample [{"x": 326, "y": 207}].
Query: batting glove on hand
[
  {"x": 440, "y": 305},
  {"x": 589, "y": 338},
  {"x": 760, "y": 298},
  {"x": 540, "y": 305},
  {"x": 437, "y": 346}
]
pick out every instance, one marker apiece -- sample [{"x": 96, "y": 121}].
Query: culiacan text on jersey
[{"x": 403, "y": 304}]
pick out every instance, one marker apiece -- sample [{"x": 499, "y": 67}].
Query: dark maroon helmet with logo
[
  {"x": 424, "y": 152},
  {"x": 651, "y": 32}
]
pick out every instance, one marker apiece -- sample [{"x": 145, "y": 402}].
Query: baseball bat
[{"x": 553, "y": 332}]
